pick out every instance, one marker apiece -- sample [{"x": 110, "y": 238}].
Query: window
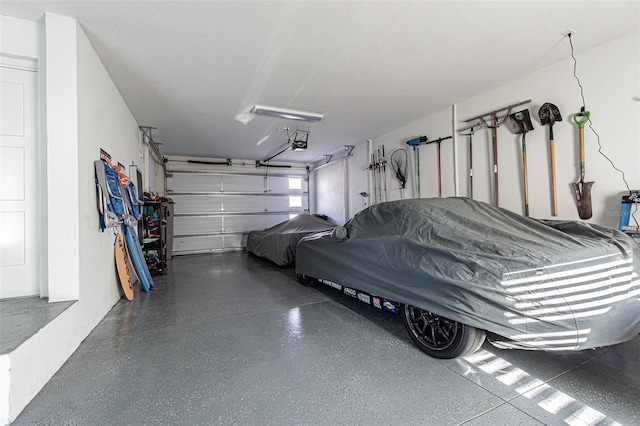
[
  {"x": 295, "y": 183},
  {"x": 295, "y": 201}
]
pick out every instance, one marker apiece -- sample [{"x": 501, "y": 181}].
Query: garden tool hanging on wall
[
  {"x": 582, "y": 188},
  {"x": 383, "y": 166},
  {"x": 521, "y": 124},
  {"x": 549, "y": 114},
  {"x": 378, "y": 168},
  {"x": 415, "y": 144},
  {"x": 374, "y": 177},
  {"x": 422, "y": 140},
  {"x": 470, "y": 139},
  {"x": 439, "y": 141},
  {"x": 493, "y": 120}
]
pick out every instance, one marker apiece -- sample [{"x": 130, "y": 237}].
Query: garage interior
[{"x": 170, "y": 91}]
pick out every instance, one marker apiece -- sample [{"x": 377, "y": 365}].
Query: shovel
[
  {"x": 549, "y": 114},
  {"x": 521, "y": 124},
  {"x": 582, "y": 188}
]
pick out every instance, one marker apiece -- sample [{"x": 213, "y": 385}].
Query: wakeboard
[
  {"x": 124, "y": 272},
  {"x": 138, "y": 258}
]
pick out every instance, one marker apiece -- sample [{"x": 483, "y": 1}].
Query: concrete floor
[
  {"x": 232, "y": 339},
  {"x": 23, "y": 317}
]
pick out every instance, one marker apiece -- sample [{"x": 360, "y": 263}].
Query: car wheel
[
  {"x": 305, "y": 280},
  {"x": 438, "y": 336}
]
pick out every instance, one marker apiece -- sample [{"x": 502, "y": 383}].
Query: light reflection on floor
[{"x": 553, "y": 401}]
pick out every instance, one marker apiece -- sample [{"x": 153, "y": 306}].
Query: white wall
[
  {"x": 62, "y": 153},
  {"x": 85, "y": 112},
  {"x": 609, "y": 74},
  {"x": 338, "y": 184},
  {"x": 329, "y": 184},
  {"x": 104, "y": 121},
  {"x": 358, "y": 179}
]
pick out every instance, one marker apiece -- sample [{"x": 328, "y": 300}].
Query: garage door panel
[
  {"x": 245, "y": 203},
  {"x": 197, "y": 225},
  {"x": 191, "y": 182},
  {"x": 281, "y": 183},
  {"x": 243, "y": 224},
  {"x": 275, "y": 219},
  {"x": 233, "y": 183},
  {"x": 190, "y": 204},
  {"x": 234, "y": 242},
  {"x": 198, "y": 244}
]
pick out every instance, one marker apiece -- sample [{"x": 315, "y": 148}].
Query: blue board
[{"x": 138, "y": 258}]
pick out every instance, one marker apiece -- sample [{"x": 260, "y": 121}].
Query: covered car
[
  {"x": 455, "y": 268},
  {"x": 278, "y": 243}
]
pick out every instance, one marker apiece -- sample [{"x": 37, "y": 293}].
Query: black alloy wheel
[
  {"x": 438, "y": 336},
  {"x": 305, "y": 280}
]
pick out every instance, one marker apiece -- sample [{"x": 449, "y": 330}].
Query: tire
[
  {"x": 305, "y": 280},
  {"x": 440, "y": 337}
]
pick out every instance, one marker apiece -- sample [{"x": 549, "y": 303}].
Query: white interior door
[{"x": 18, "y": 138}]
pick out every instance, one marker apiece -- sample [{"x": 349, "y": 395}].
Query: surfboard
[
  {"x": 132, "y": 268},
  {"x": 124, "y": 273},
  {"x": 138, "y": 258}
]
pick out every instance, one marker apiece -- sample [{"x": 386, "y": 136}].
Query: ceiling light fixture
[{"x": 289, "y": 114}]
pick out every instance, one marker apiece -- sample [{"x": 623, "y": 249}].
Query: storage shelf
[{"x": 154, "y": 230}]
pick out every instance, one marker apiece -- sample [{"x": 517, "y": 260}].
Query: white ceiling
[{"x": 189, "y": 67}]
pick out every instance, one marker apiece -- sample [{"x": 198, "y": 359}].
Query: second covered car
[{"x": 278, "y": 243}]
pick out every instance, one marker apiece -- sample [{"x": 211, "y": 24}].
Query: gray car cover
[
  {"x": 278, "y": 243},
  {"x": 553, "y": 285}
]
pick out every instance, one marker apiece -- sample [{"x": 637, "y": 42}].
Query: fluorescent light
[{"x": 289, "y": 114}]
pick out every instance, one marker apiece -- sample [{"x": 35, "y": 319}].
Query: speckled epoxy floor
[{"x": 232, "y": 339}]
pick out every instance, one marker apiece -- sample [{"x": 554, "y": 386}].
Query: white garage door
[{"x": 216, "y": 206}]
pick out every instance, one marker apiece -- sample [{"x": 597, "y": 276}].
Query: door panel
[{"x": 18, "y": 138}]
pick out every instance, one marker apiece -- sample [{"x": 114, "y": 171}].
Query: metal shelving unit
[{"x": 154, "y": 235}]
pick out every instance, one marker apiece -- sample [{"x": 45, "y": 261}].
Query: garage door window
[{"x": 295, "y": 183}]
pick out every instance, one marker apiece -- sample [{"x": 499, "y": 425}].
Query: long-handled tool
[
  {"x": 470, "y": 139},
  {"x": 439, "y": 141},
  {"x": 496, "y": 121},
  {"x": 521, "y": 123},
  {"x": 415, "y": 144},
  {"x": 379, "y": 170},
  {"x": 582, "y": 188},
  {"x": 422, "y": 140},
  {"x": 372, "y": 166},
  {"x": 494, "y": 137},
  {"x": 471, "y": 163},
  {"x": 384, "y": 174},
  {"x": 549, "y": 114},
  {"x": 439, "y": 169}
]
